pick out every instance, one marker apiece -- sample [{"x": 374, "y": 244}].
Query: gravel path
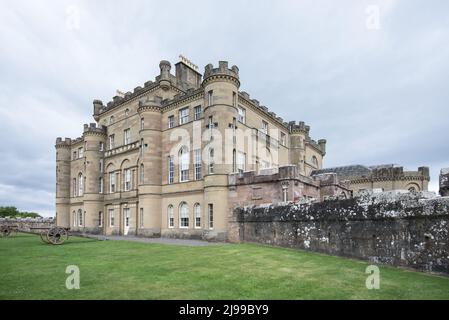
[{"x": 179, "y": 242}]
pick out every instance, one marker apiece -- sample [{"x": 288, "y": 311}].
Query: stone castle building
[
  {"x": 380, "y": 177},
  {"x": 174, "y": 157},
  {"x": 444, "y": 182}
]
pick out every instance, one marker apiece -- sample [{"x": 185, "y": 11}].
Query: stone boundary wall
[
  {"x": 396, "y": 228},
  {"x": 25, "y": 224}
]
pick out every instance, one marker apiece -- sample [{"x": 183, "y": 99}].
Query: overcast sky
[{"x": 376, "y": 89}]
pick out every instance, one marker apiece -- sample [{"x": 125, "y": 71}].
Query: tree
[{"x": 14, "y": 213}]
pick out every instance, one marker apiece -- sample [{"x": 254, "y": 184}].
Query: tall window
[
  {"x": 184, "y": 215},
  {"x": 126, "y": 216},
  {"x": 127, "y": 180},
  {"x": 184, "y": 115},
  {"x": 197, "y": 212},
  {"x": 112, "y": 141},
  {"x": 101, "y": 147},
  {"x": 141, "y": 217},
  {"x": 74, "y": 155},
  {"x": 197, "y": 113},
  {"x": 283, "y": 139},
  {"x": 74, "y": 218},
  {"x": 197, "y": 164},
  {"x": 100, "y": 219},
  {"x": 111, "y": 120},
  {"x": 111, "y": 182},
  {"x": 171, "y": 122},
  {"x": 80, "y": 218},
  {"x": 171, "y": 217},
  {"x": 141, "y": 147},
  {"x": 171, "y": 170},
  {"x": 111, "y": 217},
  {"x": 242, "y": 114},
  {"x": 127, "y": 136},
  {"x": 80, "y": 185},
  {"x": 315, "y": 161},
  {"x": 284, "y": 194},
  {"x": 142, "y": 174},
  {"x": 210, "y": 211},
  {"x": 183, "y": 164},
  {"x": 126, "y": 112},
  {"x": 80, "y": 152},
  {"x": 142, "y": 123},
  {"x": 75, "y": 191},
  {"x": 234, "y": 99},
  {"x": 100, "y": 165},
  {"x": 241, "y": 161},
  {"x": 265, "y": 127},
  {"x": 210, "y": 98},
  {"x": 211, "y": 161},
  {"x": 234, "y": 161},
  {"x": 100, "y": 185},
  {"x": 211, "y": 128}
]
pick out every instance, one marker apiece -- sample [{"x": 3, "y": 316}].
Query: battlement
[
  {"x": 63, "y": 143},
  {"x": 222, "y": 69},
  {"x": 301, "y": 127},
  {"x": 93, "y": 128}
]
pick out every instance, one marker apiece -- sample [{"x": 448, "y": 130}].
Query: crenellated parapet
[
  {"x": 221, "y": 73},
  {"x": 301, "y": 127},
  {"x": 63, "y": 143},
  {"x": 150, "y": 104},
  {"x": 93, "y": 129}
]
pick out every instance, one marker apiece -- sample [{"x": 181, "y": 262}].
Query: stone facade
[
  {"x": 444, "y": 182},
  {"x": 396, "y": 228},
  {"x": 381, "y": 177},
  {"x": 157, "y": 160}
]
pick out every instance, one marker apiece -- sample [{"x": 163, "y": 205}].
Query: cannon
[
  {"x": 7, "y": 230},
  {"x": 53, "y": 235}
]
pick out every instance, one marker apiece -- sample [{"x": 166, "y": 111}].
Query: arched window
[
  {"x": 197, "y": 212},
  {"x": 183, "y": 164},
  {"x": 80, "y": 218},
  {"x": 80, "y": 184},
  {"x": 234, "y": 161},
  {"x": 184, "y": 215},
  {"x": 126, "y": 112},
  {"x": 142, "y": 174},
  {"x": 211, "y": 161},
  {"x": 74, "y": 218},
  {"x": 171, "y": 217},
  {"x": 111, "y": 120}
]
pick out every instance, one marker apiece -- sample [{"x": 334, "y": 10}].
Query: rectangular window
[
  {"x": 101, "y": 146},
  {"x": 184, "y": 166},
  {"x": 80, "y": 152},
  {"x": 142, "y": 123},
  {"x": 211, "y": 161},
  {"x": 101, "y": 165},
  {"x": 126, "y": 216},
  {"x": 100, "y": 219},
  {"x": 265, "y": 127},
  {"x": 141, "y": 218},
  {"x": 112, "y": 182},
  {"x": 171, "y": 122},
  {"x": 100, "y": 185},
  {"x": 242, "y": 115},
  {"x": 184, "y": 115},
  {"x": 141, "y": 147},
  {"x": 112, "y": 141},
  {"x": 197, "y": 212},
  {"x": 210, "y": 210},
  {"x": 111, "y": 217},
  {"x": 74, "y": 187},
  {"x": 211, "y": 128},
  {"x": 197, "y": 164},
  {"x": 74, "y": 155},
  {"x": 127, "y": 136},
  {"x": 127, "y": 183},
  {"x": 234, "y": 99},
  {"x": 283, "y": 139},
  {"x": 171, "y": 217},
  {"x": 210, "y": 98},
  {"x": 171, "y": 170},
  {"x": 241, "y": 161},
  {"x": 197, "y": 113}
]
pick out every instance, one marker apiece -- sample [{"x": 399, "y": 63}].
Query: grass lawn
[{"x": 30, "y": 269}]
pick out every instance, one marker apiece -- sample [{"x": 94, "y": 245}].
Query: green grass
[{"x": 30, "y": 269}]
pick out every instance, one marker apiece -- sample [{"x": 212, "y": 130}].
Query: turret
[
  {"x": 98, "y": 105},
  {"x": 63, "y": 182},
  {"x": 298, "y": 134},
  {"x": 164, "y": 78}
]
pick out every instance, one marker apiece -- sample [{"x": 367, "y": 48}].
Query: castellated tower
[
  {"x": 220, "y": 112},
  {"x": 94, "y": 140},
  {"x": 150, "y": 161},
  {"x": 63, "y": 182}
]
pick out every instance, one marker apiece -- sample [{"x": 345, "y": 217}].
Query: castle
[{"x": 175, "y": 157}]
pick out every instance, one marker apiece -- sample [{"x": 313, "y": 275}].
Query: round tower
[
  {"x": 150, "y": 161},
  {"x": 164, "y": 78},
  {"x": 298, "y": 134},
  {"x": 63, "y": 182},
  {"x": 94, "y": 141},
  {"x": 221, "y": 87}
]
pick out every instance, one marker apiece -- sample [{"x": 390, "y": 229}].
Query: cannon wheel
[
  {"x": 43, "y": 235},
  {"x": 6, "y": 231},
  {"x": 57, "y": 235}
]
